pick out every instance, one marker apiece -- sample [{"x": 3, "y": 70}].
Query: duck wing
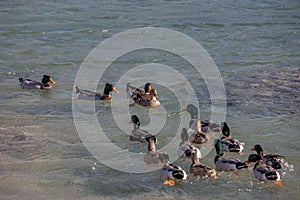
[
  {"x": 30, "y": 84},
  {"x": 87, "y": 92},
  {"x": 133, "y": 91}
]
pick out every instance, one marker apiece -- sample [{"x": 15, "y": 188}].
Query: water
[{"x": 255, "y": 45}]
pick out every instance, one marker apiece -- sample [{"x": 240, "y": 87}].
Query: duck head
[
  {"x": 136, "y": 121},
  {"x": 153, "y": 93},
  {"x": 152, "y": 140},
  {"x": 193, "y": 110},
  {"x": 253, "y": 158},
  {"x": 108, "y": 88},
  {"x": 218, "y": 147},
  {"x": 225, "y": 129},
  {"x": 46, "y": 79},
  {"x": 147, "y": 87},
  {"x": 258, "y": 149}
]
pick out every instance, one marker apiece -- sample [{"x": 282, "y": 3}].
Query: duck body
[
  {"x": 171, "y": 172},
  {"x": 199, "y": 169},
  {"x": 273, "y": 160},
  {"x": 199, "y": 137},
  {"x": 262, "y": 171},
  {"x": 226, "y": 164},
  {"x": 133, "y": 91},
  {"x": 31, "y": 84},
  {"x": 186, "y": 148},
  {"x": 146, "y": 98},
  {"x": 138, "y": 134},
  {"x": 265, "y": 173},
  {"x": 153, "y": 156},
  {"x": 206, "y": 125},
  {"x": 89, "y": 95},
  {"x": 230, "y": 144}
]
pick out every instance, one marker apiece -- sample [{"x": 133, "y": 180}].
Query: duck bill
[
  {"x": 51, "y": 81},
  {"x": 247, "y": 162},
  {"x": 115, "y": 90}
]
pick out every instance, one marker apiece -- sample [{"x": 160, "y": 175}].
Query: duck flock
[{"x": 267, "y": 167}]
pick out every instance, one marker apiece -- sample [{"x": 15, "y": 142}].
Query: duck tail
[
  {"x": 241, "y": 165},
  {"x": 21, "y": 79},
  {"x": 272, "y": 175},
  {"x": 129, "y": 91}
]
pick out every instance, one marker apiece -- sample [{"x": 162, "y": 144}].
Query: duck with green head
[
  {"x": 138, "y": 134},
  {"x": 89, "y": 95},
  {"x": 30, "y": 84},
  {"x": 263, "y": 172},
  {"x": 227, "y": 164}
]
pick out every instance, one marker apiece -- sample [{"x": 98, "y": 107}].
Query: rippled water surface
[{"x": 255, "y": 45}]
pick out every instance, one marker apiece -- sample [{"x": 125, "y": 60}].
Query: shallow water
[{"x": 255, "y": 45}]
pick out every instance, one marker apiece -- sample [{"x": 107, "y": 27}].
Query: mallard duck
[
  {"x": 199, "y": 137},
  {"x": 89, "y": 95},
  {"x": 170, "y": 172},
  {"x": 206, "y": 125},
  {"x": 133, "y": 91},
  {"x": 30, "y": 84},
  {"x": 199, "y": 169},
  {"x": 185, "y": 147},
  {"x": 263, "y": 172},
  {"x": 146, "y": 98},
  {"x": 227, "y": 164},
  {"x": 230, "y": 144},
  {"x": 274, "y": 160},
  {"x": 138, "y": 134},
  {"x": 153, "y": 156}
]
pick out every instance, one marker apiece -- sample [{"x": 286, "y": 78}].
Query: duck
[
  {"x": 132, "y": 91},
  {"x": 206, "y": 125},
  {"x": 90, "y": 95},
  {"x": 199, "y": 137},
  {"x": 263, "y": 172},
  {"x": 138, "y": 134},
  {"x": 229, "y": 144},
  {"x": 153, "y": 156},
  {"x": 186, "y": 148},
  {"x": 199, "y": 169},
  {"x": 274, "y": 160},
  {"x": 30, "y": 84},
  {"x": 148, "y": 100},
  {"x": 170, "y": 172},
  {"x": 227, "y": 164}
]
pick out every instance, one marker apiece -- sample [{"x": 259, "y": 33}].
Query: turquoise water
[{"x": 255, "y": 45}]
